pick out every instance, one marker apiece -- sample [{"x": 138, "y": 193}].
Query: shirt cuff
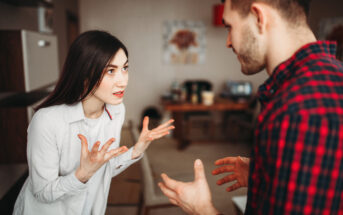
[
  {"x": 72, "y": 183},
  {"x": 126, "y": 158}
]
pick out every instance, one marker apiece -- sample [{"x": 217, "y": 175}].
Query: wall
[
  {"x": 320, "y": 10},
  {"x": 14, "y": 17},
  {"x": 139, "y": 24}
]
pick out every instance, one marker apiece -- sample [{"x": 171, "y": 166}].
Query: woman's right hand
[{"x": 92, "y": 160}]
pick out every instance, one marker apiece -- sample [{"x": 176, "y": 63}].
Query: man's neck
[{"x": 284, "y": 43}]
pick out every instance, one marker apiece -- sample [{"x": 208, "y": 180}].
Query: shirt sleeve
[
  {"x": 299, "y": 157},
  {"x": 43, "y": 161},
  {"x": 122, "y": 162}
]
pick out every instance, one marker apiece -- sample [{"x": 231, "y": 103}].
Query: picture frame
[{"x": 184, "y": 42}]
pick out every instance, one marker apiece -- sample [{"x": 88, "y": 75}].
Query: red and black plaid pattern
[{"x": 297, "y": 161}]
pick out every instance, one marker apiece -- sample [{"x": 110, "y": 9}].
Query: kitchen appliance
[{"x": 28, "y": 65}]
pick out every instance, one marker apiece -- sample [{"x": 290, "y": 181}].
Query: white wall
[{"x": 139, "y": 24}]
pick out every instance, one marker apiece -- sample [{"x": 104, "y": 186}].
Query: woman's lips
[{"x": 119, "y": 94}]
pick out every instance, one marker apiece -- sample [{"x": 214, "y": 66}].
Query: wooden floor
[{"x": 126, "y": 188}]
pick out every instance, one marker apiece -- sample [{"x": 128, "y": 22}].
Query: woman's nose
[{"x": 122, "y": 79}]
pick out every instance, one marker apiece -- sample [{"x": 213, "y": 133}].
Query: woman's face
[{"x": 112, "y": 86}]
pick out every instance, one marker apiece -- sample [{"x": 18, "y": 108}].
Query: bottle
[
  {"x": 175, "y": 91},
  {"x": 183, "y": 96},
  {"x": 194, "y": 95}
]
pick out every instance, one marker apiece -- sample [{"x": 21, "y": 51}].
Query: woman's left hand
[{"x": 147, "y": 136}]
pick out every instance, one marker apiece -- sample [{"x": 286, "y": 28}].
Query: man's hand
[
  {"x": 239, "y": 169},
  {"x": 91, "y": 161},
  {"x": 147, "y": 136},
  {"x": 193, "y": 197}
]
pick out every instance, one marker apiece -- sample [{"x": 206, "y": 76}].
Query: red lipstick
[{"x": 119, "y": 94}]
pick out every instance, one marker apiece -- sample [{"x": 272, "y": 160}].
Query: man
[{"x": 296, "y": 165}]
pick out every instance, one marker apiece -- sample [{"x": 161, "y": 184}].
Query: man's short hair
[{"x": 295, "y": 11}]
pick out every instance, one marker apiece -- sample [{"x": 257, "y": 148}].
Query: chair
[{"x": 150, "y": 199}]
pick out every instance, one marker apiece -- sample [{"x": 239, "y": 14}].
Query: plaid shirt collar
[{"x": 287, "y": 68}]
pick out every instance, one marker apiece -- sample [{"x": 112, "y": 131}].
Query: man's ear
[{"x": 260, "y": 14}]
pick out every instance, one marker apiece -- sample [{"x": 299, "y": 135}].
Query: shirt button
[
  {"x": 118, "y": 167},
  {"x": 271, "y": 91}
]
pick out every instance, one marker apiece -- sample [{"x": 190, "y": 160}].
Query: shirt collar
[
  {"x": 287, "y": 68},
  {"x": 75, "y": 112}
]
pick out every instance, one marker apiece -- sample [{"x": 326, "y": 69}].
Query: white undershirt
[{"x": 95, "y": 133}]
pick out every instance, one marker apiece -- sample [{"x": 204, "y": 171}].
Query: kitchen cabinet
[{"x": 28, "y": 66}]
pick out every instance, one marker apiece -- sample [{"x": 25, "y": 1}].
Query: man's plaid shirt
[{"x": 297, "y": 161}]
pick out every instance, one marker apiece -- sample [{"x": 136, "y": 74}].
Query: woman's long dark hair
[{"x": 83, "y": 69}]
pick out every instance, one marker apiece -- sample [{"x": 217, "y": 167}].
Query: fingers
[
  {"x": 107, "y": 145},
  {"x": 96, "y": 147},
  {"x": 223, "y": 169},
  {"x": 170, "y": 183},
  {"x": 168, "y": 192},
  {"x": 226, "y": 160},
  {"x": 162, "y": 130},
  {"x": 166, "y": 124},
  {"x": 84, "y": 144},
  {"x": 145, "y": 123},
  {"x": 174, "y": 202},
  {"x": 156, "y": 134},
  {"x": 235, "y": 186},
  {"x": 199, "y": 172},
  {"x": 227, "y": 179},
  {"x": 115, "y": 152}
]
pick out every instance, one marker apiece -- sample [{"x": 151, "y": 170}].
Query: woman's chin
[{"x": 115, "y": 102}]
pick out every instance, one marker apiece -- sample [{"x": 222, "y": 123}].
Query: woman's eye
[
  {"x": 111, "y": 71},
  {"x": 125, "y": 68}
]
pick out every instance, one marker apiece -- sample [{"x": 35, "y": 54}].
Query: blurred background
[{"x": 179, "y": 67}]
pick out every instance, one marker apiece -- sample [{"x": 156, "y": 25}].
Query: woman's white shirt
[{"x": 53, "y": 152}]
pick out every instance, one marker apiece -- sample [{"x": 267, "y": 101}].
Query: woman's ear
[{"x": 259, "y": 12}]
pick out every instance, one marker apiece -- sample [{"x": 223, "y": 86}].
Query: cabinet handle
[{"x": 43, "y": 43}]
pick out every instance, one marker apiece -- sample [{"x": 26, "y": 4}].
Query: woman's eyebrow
[
  {"x": 115, "y": 66},
  {"x": 111, "y": 65}
]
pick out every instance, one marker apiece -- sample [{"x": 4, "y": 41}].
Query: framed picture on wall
[
  {"x": 332, "y": 29},
  {"x": 184, "y": 42},
  {"x": 45, "y": 19}
]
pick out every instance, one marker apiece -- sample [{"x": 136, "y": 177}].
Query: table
[{"x": 179, "y": 109}]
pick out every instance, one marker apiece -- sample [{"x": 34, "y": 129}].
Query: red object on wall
[{"x": 218, "y": 10}]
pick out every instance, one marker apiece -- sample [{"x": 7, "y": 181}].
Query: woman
[{"x": 66, "y": 177}]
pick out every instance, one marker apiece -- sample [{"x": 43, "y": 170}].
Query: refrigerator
[{"x": 29, "y": 68}]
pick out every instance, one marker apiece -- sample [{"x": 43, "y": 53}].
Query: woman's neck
[{"x": 92, "y": 107}]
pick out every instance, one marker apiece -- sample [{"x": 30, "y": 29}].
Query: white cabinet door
[{"x": 40, "y": 59}]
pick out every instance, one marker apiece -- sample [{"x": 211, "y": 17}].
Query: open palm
[{"x": 147, "y": 136}]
